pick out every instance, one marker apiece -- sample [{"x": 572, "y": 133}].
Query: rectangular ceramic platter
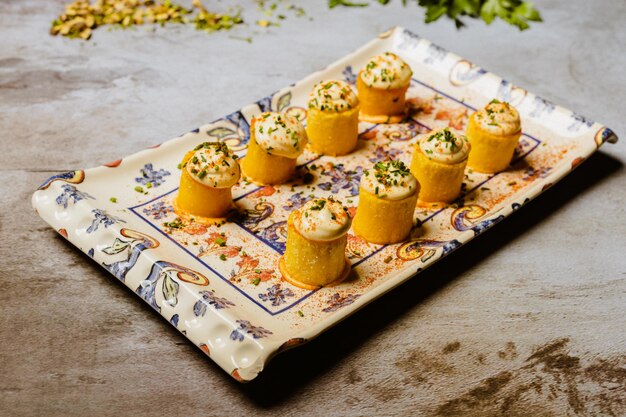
[{"x": 220, "y": 286}]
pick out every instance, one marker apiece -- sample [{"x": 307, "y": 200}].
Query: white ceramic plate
[{"x": 220, "y": 286}]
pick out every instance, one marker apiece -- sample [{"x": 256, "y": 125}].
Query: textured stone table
[{"x": 528, "y": 319}]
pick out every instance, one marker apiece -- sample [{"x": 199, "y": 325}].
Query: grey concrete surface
[{"x": 528, "y": 319}]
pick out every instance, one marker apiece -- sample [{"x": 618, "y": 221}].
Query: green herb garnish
[
  {"x": 515, "y": 12},
  {"x": 319, "y": 205},
  {"x": 177, "y": 223}
]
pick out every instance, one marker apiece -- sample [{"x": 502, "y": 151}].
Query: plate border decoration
[{"x": 204, "y": 304}]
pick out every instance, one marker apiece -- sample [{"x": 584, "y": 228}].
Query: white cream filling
[
  {"x": 498, "y": 118},
  {"x": 333, "y": 96},
  {"x": 389, "y": 181},
  {"x": 322, "y": 219},
  {"x": 213, "y": 165},
  {"x": 280, "y": 134},
  {"x": 444, "y": 146},
  {"x": 386, "y": 71}
]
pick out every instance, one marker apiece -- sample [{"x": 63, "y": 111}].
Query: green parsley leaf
[
  {"x": 335, "y": 3},
  {"x": 515, "y": 12}
]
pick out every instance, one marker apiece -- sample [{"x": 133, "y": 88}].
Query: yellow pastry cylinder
[
  {"x": 333, "y": 133},
  {"x": 313, "y": 263},
  {"x": 384, "y": 221},
  {"x": 333, "y": 118},
  {"x": 264, "y": 168},
  {"x": 380, "y": 102},
  {"x": 490, "y": 153},
  {"x": 440, "y": 182},
  {"x": 198, "y": 199}
]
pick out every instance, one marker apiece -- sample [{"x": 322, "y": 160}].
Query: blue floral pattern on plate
[
  {"x": 209, "y": 298},
  {"x": 151, "y": 176},
  {"x": 102, "y": 218},
  {"x": 341, "y": 179},
  {"x": 219, "y": 285},
  {"x": 158, "y": 210},
  {"x": 245, "y": 327},
  {"x": 71, "y": 193},
  {"x": 337, "y": 301},
  {"x": 277, "y": 295}
]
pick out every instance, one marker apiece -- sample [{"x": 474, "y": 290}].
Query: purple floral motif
[
  {"x": 578, "y": 121},
  {"x": 336, "y": 301},
  {"x": 275, "y": 235},
  {"x": 158, "y": 210},
  {"x": 101, "y": 217},
  {"x": 245, "y": 326},
  {"x": 174, "y": 320},
  {"x": 342, "y": 179},
  {"x": 152, "y": 176},
  {"x": 236, "y": 335},
  {"x": 71, "y": 193},
  {"x": 435, "y": 54},
  {"x": 348, "y": 75},
  {"x": 296, "y": 201},
  {"x": 276, "y": 294},
  {"x": 541, "y": 106},
  {"x": 209, "y": 298},
  {"x": 384, "y": 153},
  {"x": 409, "y": 40},
  {"x": 532, "y": 172},
  {"x": 519, "y": 149}
]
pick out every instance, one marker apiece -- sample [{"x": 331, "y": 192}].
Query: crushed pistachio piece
[
  {"x": 81, "y": 17},
  {"x": 177, "y": 223}
]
